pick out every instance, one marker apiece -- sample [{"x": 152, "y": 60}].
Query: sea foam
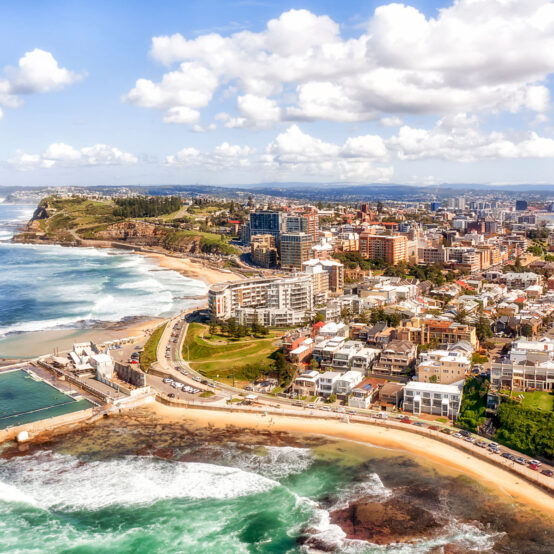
[{"x": 66, "y": 483}]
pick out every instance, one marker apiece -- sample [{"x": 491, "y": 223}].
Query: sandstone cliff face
[{"x": 139, "y": 231}]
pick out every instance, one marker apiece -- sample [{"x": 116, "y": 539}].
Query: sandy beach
[
  {"x": 38, "y": 343},
  {"x": 489, "y": 474},
  {"x": 192, "y": 269}
]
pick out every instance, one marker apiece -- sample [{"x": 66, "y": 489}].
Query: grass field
[
  {"x": 536, "y": 400},
  {"x": 221, "y": 355},
  {"x": 148, "y": 356}
]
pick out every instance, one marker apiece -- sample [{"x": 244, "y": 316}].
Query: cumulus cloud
[
  {"x": 224, "y": 156},
  {"x": 37, "y": 72},
  {"x": 63, "y": 155},
  {"x": 486, "y": 55},
  {"x": 460, "y": 139}
]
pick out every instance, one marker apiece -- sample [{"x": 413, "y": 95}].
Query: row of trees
[
  {"x": 231, "y": 328},
  {"x": 146, "y": 206}
]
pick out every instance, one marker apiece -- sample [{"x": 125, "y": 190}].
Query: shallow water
[{"x": 134, "y": 484}]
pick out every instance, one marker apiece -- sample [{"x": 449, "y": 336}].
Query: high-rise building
[
  {"x": 296, "y": 248},
  {"x": 307, "y": 222},
  {"x": 392, "y": 249},
  {"x": 435, "y": 206},
  {"x": 266, "y": 223},
  {"x": 521, "y": 205}
]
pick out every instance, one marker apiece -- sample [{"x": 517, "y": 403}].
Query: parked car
[
  {"x": 418, "y": 424},
  {"x": 434, "y": 427},
  {"x": 465, "y": 433},
  {"x": 547, "y": 472},
  {"x": 533, "y": 466},
  {"x": 521, "y": 461},
  {"x": 326, "y": 408},
  {"x": 446, "y": 431},
  {"x": 536, "y": 462},
  {"x": 405, "y": 420},
  {"x": 171, "y": 395}
]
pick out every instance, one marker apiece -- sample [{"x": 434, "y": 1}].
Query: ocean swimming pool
[{"x": 24, "y": 399}]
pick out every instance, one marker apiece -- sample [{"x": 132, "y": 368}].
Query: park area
[{"x": 224, "y": 357}]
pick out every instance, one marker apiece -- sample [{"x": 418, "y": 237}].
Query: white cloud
[
  {"x": 391, "y": 121},
  {"x": 63, "y": 155},
  {"x": 296, "y": 153},
  {"x": 475, "y": 55},
  {"x": 224, "y": 156},
  {"x": 37, "y": 72},
  {"x": 180, "y": 93},
  {"x": 204, "y": 128},
  {"x": 459, "y": 139}
]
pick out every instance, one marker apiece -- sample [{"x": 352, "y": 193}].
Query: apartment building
[
  {"x": 327, "y": 383},
  {"x": 396, "y": 358},
  {"x": 434, "y": 399},
  {"x": 529, "y": 365},
  {"x": 307, "y": 222},
  {"x": 294, "y": 295},
  {"x": 423, "y": 331},
  {"x": 333, "y": 268},
  {"x": 520, "y": 281},
  {"x": 443, "y": 366},
  {"x": 266, "y": 223},
  {"x": 393, "y": 249},
  {"x": 296, "y": 248},
  {"x": 263, "y": 250},
  {"x": 306, "y": 384},
  {"x": 346, "y": 383}
]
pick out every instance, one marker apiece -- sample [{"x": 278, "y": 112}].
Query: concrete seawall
[
  {"x": 49, "y": 424},
  {"x": 538, "y": 480}
]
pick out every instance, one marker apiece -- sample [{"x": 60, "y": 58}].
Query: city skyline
[{"x": 247, "y": 92}]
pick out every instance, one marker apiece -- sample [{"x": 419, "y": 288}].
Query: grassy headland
[{"x": 222, "y": 355}]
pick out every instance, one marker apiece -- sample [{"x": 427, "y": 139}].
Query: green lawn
[
  {"x": 537, "y": 400},
  {"x": 223, "y": 355},
  {"x": 148, "y": 356}
]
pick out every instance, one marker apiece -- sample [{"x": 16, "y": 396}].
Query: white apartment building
[
  {"x": 327, "y": 383},
  {"x": 433, "y": 398},
  {"x": 346, "y": 382},
  {"x": 361, "y": 396},
  {"x": 294, "y": 294}
]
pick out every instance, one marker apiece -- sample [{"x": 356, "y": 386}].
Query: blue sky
[{"x": 249, "y": 91}]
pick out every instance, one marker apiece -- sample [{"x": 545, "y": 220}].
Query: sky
[{"x": 111, "y": 92}]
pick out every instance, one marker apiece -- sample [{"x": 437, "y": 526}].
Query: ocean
[
  {"x": 136, "y": 485},
  {"x": 51, "y": 287}
]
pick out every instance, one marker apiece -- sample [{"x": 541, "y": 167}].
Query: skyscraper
[{"x": 296, "y": 248}]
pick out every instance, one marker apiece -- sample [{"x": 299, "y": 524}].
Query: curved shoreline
[{"x": 515, "y": 486}]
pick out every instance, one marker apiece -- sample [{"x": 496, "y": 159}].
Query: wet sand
[
  {"x": 489, "y": 474},
  {"x": 38, "y": 343}
]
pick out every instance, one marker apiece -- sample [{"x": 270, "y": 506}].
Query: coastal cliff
[{"x": 77, "y": 221}]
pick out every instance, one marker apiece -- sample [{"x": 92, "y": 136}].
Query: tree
[
  {"x": 461, "y": 315},
  {"x": 332, "y": 398},
  {"x": 319, "y": 317},
  {"x": 213, "y": 326},
  {"x": 379, "y": 207},
  {"x": 527, "y": 330},
  {"x": 484, "y": 329},
  {"x": 313, "y": 364},
  {"x": 433, "y": 379}
]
